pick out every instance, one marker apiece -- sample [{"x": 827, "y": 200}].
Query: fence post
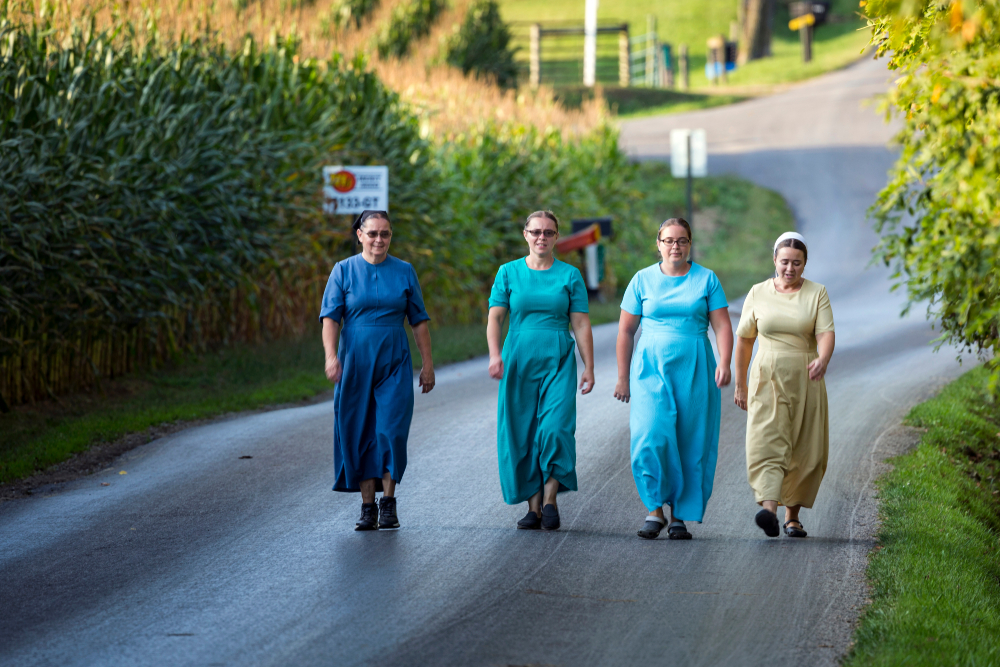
[
  {"x": 535, "y": 56},
  {"x": 650, "y": 50},
  {"x": 624, "y": 58},
  {"x": 682, "y": 58}
]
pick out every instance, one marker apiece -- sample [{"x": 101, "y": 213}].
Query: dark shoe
[
  {"x": 792, "y": 531},
  {"x": 387, "y": 513},
  {"x": 550, "y": 517},
  {"x": 369, "y": 517},
  {"x": 768, "y": 522},
  {"x": 651, "y": 529},
  {"x": 531, "y": 521},
  {"x": 678, "y": 531}
]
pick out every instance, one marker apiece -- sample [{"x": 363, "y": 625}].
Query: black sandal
[
  {"x": 768, "y": 522},
  {"x": 678, "y": 531},
  {"x": 793, "y": 531},
  {"x": 651, "y": 529},
  {"x": 550, "y": 517}
]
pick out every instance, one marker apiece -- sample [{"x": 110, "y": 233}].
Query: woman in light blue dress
[{"x": 673, "y": 381}]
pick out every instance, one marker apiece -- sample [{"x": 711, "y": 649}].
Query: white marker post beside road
[
  {"x": 590, "y": 43},
  {"x": 351, "y": 190},
  {"x": 688, "y": 159}
]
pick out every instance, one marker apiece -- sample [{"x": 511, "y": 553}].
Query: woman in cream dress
[{"x": 788, "y": 426}]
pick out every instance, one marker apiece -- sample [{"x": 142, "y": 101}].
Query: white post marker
[
  {"x": 351, "y": 190},
  {"x": 688, "y": 159},
  {"x": 590, "y": 43},
  {"x": 591, "y": 266}
]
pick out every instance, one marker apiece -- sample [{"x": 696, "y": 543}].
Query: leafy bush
[
  {"x": 940, "y": 213},
  {"x": 411, "y": 20},
  {"x": 482, "y": 45},
  {"x": 343, "y": 14}
]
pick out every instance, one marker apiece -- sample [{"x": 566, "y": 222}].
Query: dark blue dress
[{"x": 374, "y": 398}]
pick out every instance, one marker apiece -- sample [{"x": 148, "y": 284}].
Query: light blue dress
[
  {"x": 536, "y": 405},
  {"x": 675, "y": 405}
]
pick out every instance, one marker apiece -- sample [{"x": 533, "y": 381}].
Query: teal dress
[
  {"x": 536, "y": 407},
  {"x": 675, "y": 406}
]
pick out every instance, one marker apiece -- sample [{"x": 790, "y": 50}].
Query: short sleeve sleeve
[
  {"x": 578, "y": 300},
  {"x": 824, "y": 313},
  {"x": 500, "y": 294},
  {"x": 415, "y": 311},
  {"x": 716, "y": 295},
  {"x": 632, "y": 301},
  {"x": 333, "y": 302},
  {"x": 747, "y": 327}
]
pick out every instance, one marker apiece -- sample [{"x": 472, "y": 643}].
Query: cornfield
[{"x": 160, "y": 196}]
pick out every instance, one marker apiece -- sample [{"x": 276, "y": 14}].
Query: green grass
[
  {"x": 638, "y": 102},
  {"x": 836, "y": 44},
  {"x": 734, "y": 224},
  {"x": 936, "y": 573}
]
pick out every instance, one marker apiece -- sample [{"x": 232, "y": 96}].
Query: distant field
[{"x": 838, "y": 43}]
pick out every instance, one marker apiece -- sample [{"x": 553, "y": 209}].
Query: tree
[
  {"x": 756, "y": 18},
  {"x": 482, "y": 45},
  {"x": 939, "y": 216}
]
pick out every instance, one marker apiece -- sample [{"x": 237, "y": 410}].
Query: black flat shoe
[
  {"x": 531, "y": 521},
  {"x": 651, "y": 529},
  {"x": 550, "y": 517},
  {"x": 369, "y": 517},
  {"x": 678, "y": 531},
  {"x": 387, "y": 513},
  {"x": 792, "y": 531},
  {"x": 768, "y": 522}
]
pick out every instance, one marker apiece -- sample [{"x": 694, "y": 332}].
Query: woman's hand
[
  {"x": 426, "y": 379},
  {"x": 740, "y": 398},
  {"x": 333, "y": 369},
  {"x": 587, "y": 381},
  {"x": 496, "y": 367},
  {"x": 622, "y": 391},
  {"x": 817, "y": 368},
  {"x": 722, "y": 376}
]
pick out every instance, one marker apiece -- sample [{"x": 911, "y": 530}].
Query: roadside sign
[
  {"x": 679, "y": 157},
  {"x": 351, "y": 190},
  {"x": 802, "y": 22}
]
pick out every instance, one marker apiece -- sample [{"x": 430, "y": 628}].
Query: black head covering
[{"x": 360, "y": 220}]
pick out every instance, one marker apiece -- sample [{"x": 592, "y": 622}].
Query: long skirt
[
  {"x": 374, "y": 406},
  {"x": 674, "y": 420},
  {"x": 536, "y": 413}
]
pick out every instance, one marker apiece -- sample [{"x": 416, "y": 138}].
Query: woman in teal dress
[
  {"x": 536, "y": 407},
  {"x": 673, "y": 381}
]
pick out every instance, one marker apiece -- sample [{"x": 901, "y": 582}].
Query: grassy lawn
[
  {"x": 734, "y": 224},
  {"x": 936, "y": 572},
  {"x": 836, "y": 44}
]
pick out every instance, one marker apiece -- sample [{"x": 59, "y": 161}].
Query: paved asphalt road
[{"x": 199, "y": 557}]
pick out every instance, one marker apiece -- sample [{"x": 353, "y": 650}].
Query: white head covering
[{"x": 790, "y": 235}]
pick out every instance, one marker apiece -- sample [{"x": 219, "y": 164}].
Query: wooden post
[
  {"x": 535, "y": 56},
  {"x": 806, "y": 33},
  {"x": 650, "y": 50},
  {"x": 682, "y": 60},
  {"x": 624, "y": 58}
]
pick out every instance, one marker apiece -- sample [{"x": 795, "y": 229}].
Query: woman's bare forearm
[
  {"x": 422, "y": 336},
  {"x": 331, "y": 337},
  {"x": 584, "y": 338},
  {"x": 494, "y": 330},
  {"x": 825, "y": 343},
  {"x": 744, "y": 350}
]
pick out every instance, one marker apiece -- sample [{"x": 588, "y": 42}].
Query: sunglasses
[
  {"x": 385, "y": 234},
  {"x": 547, "y": 233}
]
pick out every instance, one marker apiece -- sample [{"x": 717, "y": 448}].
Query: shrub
[
  {"x": 343, "y": 14},
  {"x": 410, "y": 21},
  {"x": 482, "y": 45}
]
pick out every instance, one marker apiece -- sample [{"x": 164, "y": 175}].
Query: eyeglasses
[
  {"x": 385, "y": 234},
  {"x": 680, "y": 243},
  {"x": 547, "y": 233}
]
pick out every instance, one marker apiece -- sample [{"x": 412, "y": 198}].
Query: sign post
[
  {"x": 688, "y": 159},
  {"x": 590, "y": 43},
  {"x": 351, "y": 190}
]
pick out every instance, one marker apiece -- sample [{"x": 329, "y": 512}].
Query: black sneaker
[
  {"x": 550, "y": 518},
  {"x": 387, "y": 513},
  {"x": 369, "y": 517}
]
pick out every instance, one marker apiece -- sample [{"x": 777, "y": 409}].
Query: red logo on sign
[{"x": 343, "y": 181}]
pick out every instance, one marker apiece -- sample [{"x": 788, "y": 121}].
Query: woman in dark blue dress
[{"x": 372, "y": 293}]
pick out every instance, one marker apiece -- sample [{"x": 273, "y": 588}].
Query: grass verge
[
  {"x": 936, "y": 572},
  {"x": 735, "y": 222}
]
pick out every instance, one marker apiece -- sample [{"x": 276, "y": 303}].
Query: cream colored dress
[{"x": 788, "y": 424}]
